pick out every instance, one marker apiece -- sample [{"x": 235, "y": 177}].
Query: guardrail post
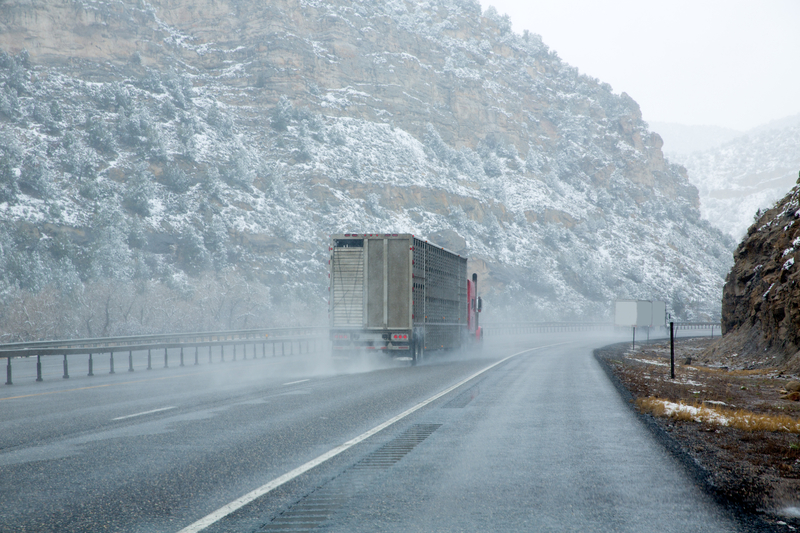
[
  {"x": 111, "y": 361},
  {"x": 209, "y": 353},
  {"x": 283, "y": 348},
  {"x": 39, "y": 367},
  {"x": 196, "y": 352},
  {"x": 130, "y": 360},
  {"x": 181, "y": 355},
  {"x": 149, "y": 360},
  {"x": 221, "y": 353},
  {"x": 166, "y": 359},
  {"x": 8, "y": 371},
  {"x": 66, "y": 367},
  {"x": 263, "y": 350},
  {"x": 91, "y": 366},
  {"x": 234, "y": 351}
]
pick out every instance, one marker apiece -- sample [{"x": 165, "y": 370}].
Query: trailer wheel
[{"x": 417, "y": 351}]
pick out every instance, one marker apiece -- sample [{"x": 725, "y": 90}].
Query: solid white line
[
  {"x": 145, "y": 413},
  {"x": 296, "y": 382},
  {"x": 277, "y": 482}
]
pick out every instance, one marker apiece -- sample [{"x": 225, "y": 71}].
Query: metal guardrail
[
  {"x": 542, "y": 327},
  {"x": 313, "y": 337},
  {"x": 697, "y": 325},
  {"x": 560, "y": 327},
  {"x": 154, "y": 339},
  {"x": 301, "y": 337}
]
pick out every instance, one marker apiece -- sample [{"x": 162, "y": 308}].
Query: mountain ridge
[{"x": 203, "y": 157}]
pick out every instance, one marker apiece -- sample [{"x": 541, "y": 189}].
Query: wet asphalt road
[{"x": 541, "y": 442}]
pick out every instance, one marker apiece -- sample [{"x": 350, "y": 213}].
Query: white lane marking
[
  {"x": 296, "y": 382},
  {"x": 278, "y": 481},
  {"x": 145, "y": 413}
]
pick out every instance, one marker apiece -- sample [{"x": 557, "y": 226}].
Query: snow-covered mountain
[
  {"x": 741, "y": 177},
  {"x": 180, "y": 164}
]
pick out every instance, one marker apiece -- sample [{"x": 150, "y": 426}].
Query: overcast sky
[{"x": 731, "y": 63}]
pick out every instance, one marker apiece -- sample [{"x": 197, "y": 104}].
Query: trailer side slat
[{"x": 408, "y": 285}]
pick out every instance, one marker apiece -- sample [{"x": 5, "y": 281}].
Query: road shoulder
[{"x": 742, "y": 470}]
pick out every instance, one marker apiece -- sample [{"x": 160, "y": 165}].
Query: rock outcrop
[{"x": 761, "y": 297}]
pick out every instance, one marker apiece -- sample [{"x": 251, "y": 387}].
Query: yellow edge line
[{"x": 95, "y": 387}]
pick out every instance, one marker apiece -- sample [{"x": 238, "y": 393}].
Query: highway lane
[
  {"x": 68, "y": 465},
  {"x": 541, "y": 442}
]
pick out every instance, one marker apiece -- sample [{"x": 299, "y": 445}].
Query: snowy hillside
[
  {"x": 181, "y": 165},
  {"x": 745, "y": 175}
]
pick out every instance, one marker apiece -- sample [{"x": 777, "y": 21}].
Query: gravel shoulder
[{"x": 753, "y": 472}]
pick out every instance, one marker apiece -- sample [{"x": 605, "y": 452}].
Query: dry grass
[
  {"x": 731, "y": 373},
  {"x": 717, "y": 415}
]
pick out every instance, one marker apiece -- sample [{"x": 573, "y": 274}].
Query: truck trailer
[{"x": 399, "y": 294}]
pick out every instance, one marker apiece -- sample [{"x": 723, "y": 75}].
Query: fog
[{"x": 716, "y": 63}]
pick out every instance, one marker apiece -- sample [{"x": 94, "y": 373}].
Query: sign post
[{"x": 672, "y": 350}]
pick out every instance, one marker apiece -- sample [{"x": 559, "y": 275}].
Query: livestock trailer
[{"x": 399, "y": 294}]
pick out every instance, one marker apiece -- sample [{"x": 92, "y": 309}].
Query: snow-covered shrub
[
  {"x": 137, "y": 128},
  {"x": 99, "y": 135},
  {"x": 110, "y": 254},
  {"x": 152, "y": 82},
  {"x": 175, "y": 178},
  {"x": 8, "y": 181},
  {"x": 179, "y": 86},
  {"x": 41, "y": 113},
  {"x": 55, "y": 111},
  {"x": 14, "y": 72},
  {"x": 137, "y": 237},
  {"x": 9, "y": 102},
  {"x": 281, "y": 114},
  {"x": 36, "y": 177},
  {"x": 216, "y": 235},
  {"x": 337, "y": 135},
  {"x": 168, "y": 110},
  {"x": 122, "y": 96},
  {"x": 440, "y": 149},
  {"x": 111, "y": 95},
  {"x": 492, "y": 165},
  {"x": 192, "y": 254},
  {"x": 139, "y": 191},
  {"x": 77, "y": 158},
  {"x": 221, "y": 121},
  {"x": 239, "y": 169}
]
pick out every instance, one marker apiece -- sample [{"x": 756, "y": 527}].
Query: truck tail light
[
  {"x": 399, "y": 337},
  {"x": 341, "y": 336}
]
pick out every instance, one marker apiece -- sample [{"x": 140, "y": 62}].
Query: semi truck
[{"x": 401, "y": 295}]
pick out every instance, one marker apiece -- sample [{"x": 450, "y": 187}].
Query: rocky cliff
[
  {"x": 172, "y": 144},
  {"x": 761, "y": 297}
]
